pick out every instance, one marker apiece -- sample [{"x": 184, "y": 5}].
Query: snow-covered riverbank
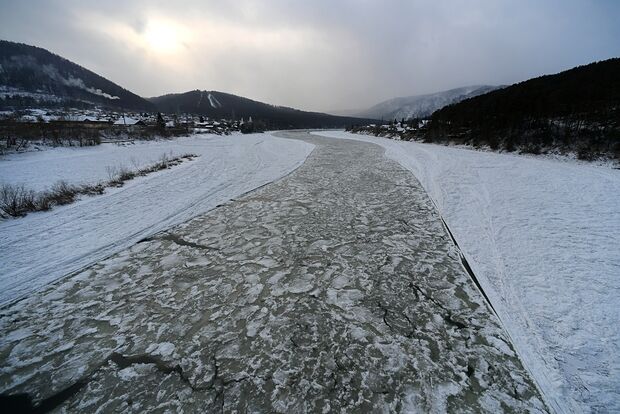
[
  {"x": 543, "y": 237},
  {"x": 40, "y": 248}
]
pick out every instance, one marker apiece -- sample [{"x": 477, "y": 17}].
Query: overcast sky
[{"x": 317, "y": 54}]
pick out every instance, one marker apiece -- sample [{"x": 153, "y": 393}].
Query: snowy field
[
  {"x": 42, "y": 247},
  {"x": 86, "y": 165},
  {"x": 543, "y": 237}
]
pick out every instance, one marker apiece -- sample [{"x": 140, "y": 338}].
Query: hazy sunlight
[{"x": 164, "y": 37}]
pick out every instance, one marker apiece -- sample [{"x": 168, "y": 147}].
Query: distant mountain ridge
[
  {"x": 214, "y": 104},
  {"x": 419, "y": 106},
  {"x": 31, "y": 75},
  {"x": 576, "y": 110}
]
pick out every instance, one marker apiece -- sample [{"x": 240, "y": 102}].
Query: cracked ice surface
[{"x": 333, "y": 289}]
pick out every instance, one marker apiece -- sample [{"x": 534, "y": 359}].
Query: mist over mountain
[
  {"x": 32, "y": 76},
  {"x": 215, "y": 104},
  {"x": 420, "y": 106}
]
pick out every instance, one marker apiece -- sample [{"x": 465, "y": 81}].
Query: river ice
[{"x": 336, "y": 288}]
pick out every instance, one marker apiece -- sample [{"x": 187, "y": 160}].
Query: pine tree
[{"x": 160, "y": 121}]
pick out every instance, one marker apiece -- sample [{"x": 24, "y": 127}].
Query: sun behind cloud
[
  {"x": 157, "y": 37},
  {"x": 164, "y": 37}
]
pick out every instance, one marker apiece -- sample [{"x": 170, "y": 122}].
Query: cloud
[
  {"x": 318, "y": 55},
  {"x": 79, "y": 83}
]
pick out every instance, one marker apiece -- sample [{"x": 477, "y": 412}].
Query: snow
[
  {"x": 42, "y": 247},
  {"x": 87, "y": 165},
  {"x": 422, "y": 105},
  {"x": 9, "y": 92},
  {"x": 543, "y": 238},
  {"x": 82, "y": 118},
  {"x": 125, "y": 120},
  {"x": 214, "y": 102}
]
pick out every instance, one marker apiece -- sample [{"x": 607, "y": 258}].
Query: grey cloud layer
[{"x": 324, "y": 54}]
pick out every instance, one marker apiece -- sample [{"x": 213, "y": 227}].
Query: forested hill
[
  {"x": 578, "y": 109},
  {"x": 215, "y": 104},
  {"x": 34, "y": 77}
]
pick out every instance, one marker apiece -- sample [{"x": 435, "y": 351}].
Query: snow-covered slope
[
  {"x": 543, "y": 238},
  {"x": 422, "y": 105},
  {"x": 31, "y": 76},
  {"x": 42, "y": 247}
]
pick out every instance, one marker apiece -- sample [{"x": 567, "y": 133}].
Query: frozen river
[{"x": 336, "y": 288}]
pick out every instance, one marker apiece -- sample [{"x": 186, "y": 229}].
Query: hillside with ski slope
[
  {"x": 34, "y": 78},
  {"x": 214, "y": 104},
  {"x": 541, "y": 235}
]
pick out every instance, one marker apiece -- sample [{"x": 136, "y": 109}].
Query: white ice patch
[
  {"x": 128, "y": 374},
  {"x": 164, "y": 349}
]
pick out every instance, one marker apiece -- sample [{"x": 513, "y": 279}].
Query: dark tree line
[{"x": 578, "y": 109}]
